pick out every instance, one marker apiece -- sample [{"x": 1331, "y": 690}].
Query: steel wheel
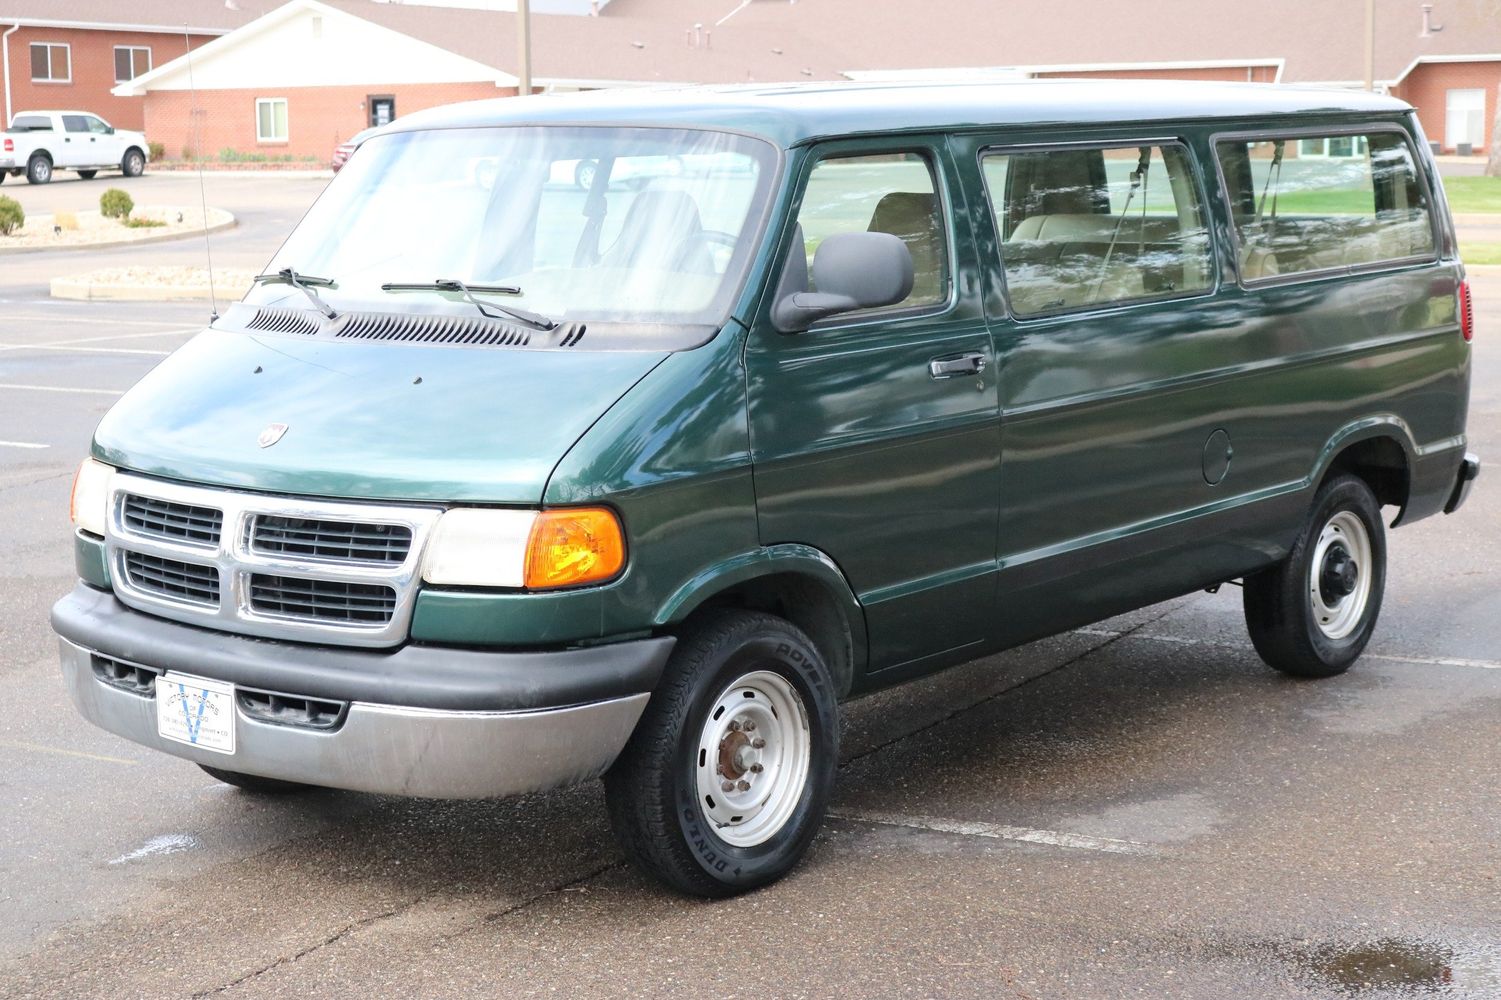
[
  {"x": 1339, "y": 577},
  {"x": 753, "y": 755}
]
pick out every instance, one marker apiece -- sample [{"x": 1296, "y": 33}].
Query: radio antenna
[{"x": 208, "y": 250}]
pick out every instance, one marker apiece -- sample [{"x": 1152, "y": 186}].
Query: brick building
[
  {"x": 73, "y": 53},
  {"x": 309, "y": 73}
]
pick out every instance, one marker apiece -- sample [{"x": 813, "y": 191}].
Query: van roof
[{"x": 794, "y": 113}]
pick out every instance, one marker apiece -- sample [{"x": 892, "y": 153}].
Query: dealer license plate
[{"x": 196, "y": 711}]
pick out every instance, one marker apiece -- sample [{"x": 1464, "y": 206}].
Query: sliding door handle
[{"x": 957, "y": 364}]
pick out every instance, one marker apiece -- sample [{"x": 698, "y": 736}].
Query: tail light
[
  {"x": 10, "y": 145},
  {"x": 1466, "y": 312}
]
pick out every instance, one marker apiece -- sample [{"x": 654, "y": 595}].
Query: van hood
[{"x": 363, "y": 420}]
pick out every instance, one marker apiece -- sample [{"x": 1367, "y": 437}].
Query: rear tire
[
  {"x": 255, "y": 783},
  {"x": 87, "y": 175},
  {"x": 1312, "y": 614},
  {"x": 38, "y": 170},
  {"x": 727, "y": 777}
]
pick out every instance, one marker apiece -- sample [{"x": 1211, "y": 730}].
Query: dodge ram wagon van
[{"x": 500, "y": 479}]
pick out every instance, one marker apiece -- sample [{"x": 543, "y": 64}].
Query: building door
[
  {"x": 1464, "y": 121},
  {"x": 382, "y": 110}
]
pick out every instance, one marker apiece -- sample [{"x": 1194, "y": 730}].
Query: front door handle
[{"x": 957, "y": 364}]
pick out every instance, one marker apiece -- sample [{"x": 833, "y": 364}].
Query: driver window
[
  {"x": 886, "y": 193},
  {"x": 97, "y": 126}
]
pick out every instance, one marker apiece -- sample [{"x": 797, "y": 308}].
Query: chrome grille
[
  {"x": 338, "y": 540},
  {"x": 172, "y": 578},
  {"x": 149, "y": 516},
  {"x": 279, "y": 567},
  {"x": 322, "y": 600}
]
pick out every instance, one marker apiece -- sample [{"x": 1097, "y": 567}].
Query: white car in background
[{"x": 41, "y": 142}]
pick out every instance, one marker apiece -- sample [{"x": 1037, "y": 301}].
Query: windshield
[{"x": 576, "y": 224}]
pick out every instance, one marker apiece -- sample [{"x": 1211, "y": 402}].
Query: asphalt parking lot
[{"x": 1140, "y": 808}]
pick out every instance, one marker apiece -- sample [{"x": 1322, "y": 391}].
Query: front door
[
  {"x": 105, "y": 147},
  {"x": 382, "y": 110},
  {"x": 862, "y": 449}
]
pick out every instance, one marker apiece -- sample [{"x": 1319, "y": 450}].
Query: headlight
[
  {"x": 89, "y": 506},
  {"x": 472, "y": 547}
]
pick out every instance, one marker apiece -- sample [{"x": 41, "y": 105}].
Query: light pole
[{"x": 524, "y": 47}]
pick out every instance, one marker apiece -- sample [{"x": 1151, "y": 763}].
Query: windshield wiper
[
  {"x": 534, "y": 320},
  {"x": 303, "y": 283}
]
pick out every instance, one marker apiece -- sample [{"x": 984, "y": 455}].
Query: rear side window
[
  {"x": 888, "y": 193},
  {"x": 1090, "y": 228},
  {"x": 1324, "y": 203}
]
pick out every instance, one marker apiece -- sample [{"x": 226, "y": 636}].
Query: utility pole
[
  {"x": 1370, "y": 44},
  {"x": 524, "y": 47}
]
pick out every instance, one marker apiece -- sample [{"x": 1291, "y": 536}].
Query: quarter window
[
  {"x": 131, "y": 61},
  {"x": 1088, "y": 228},
  {"x": 1295, "y": 212},
  {"x": 51, "y": 62},
  {"x": 271, "y": 119},
  {"x": 887, "y": 193}
]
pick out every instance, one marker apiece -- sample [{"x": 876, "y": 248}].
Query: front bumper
[{"x": 425, "y": 721}]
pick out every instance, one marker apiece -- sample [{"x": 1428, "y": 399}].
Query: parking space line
[
  {"x": 86, "y": 320},
  {"x": 129, "y": 336},
  {"x": 996, "y": 831},
  {"x": 62, "y": 388},
  {"x": 1434, "y": 661},
  {"x": 42, "y": 748},
  {"x": 83, "y": 350},
  {"x": 22, "y": 444}
]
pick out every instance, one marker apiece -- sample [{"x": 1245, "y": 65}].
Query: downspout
[{"x": 5, "y": 59}]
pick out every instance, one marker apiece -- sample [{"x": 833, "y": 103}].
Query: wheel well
[
  {"x": 806, "y": 603},
  {"x": 42, "y": 153},
  {"x": 1381, "y": 462}
]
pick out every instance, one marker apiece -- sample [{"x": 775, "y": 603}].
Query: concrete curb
[
  {"x": 82, "y": 289},
  {"x": 147, "y": 237}
]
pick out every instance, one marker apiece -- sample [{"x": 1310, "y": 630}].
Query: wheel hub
[{"x": 1338, "y": 576}]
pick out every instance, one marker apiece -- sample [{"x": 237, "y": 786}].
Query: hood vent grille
[
  {"x": 406, "y": 328},
  {"x": 476, "y": 332},
  {"x": 284, "y": 321}
]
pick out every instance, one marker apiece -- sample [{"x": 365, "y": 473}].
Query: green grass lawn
[
  {"x": 1480, "y": 253},
  {"x": 1473, "y": 194}
]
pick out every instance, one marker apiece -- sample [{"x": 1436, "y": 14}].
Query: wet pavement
[{"x": 1139, "y": 808}]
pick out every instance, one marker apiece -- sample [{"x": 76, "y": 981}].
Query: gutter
[{"x": 5, "y": 59}]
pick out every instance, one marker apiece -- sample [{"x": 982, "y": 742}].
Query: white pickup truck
[{"x": 39, "y": 142}]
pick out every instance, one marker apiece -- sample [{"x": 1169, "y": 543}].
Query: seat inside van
[{"x": 913, "y": 217}]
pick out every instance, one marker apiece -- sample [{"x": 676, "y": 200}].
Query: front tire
[
  {"x": 38, "y": 170},
  {"x": 1312, "y": 614},
  {"x": 727, "y": 777},
  {"x": 254, "y": 782},
  {"x": 134, "y": 163}
]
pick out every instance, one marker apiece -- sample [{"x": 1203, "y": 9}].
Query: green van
[{"x": 625, "y": 435}]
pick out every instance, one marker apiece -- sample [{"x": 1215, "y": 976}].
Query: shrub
[
  {"x": 157, "y": 150},
  {"x": 143, "y": 223},
  {"x": 65, "y": 220},
  {"x": 11, "y": 216},
  {"x": 115, "y": 204},
  {"x": 188, "y": 154}
]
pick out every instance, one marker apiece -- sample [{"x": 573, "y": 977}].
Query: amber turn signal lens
[{"x": 572, "y": 547}]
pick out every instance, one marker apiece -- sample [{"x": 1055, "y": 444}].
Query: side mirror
[
  {"x": 109, "y": 130},
  {"x": 851, "y": 271}
]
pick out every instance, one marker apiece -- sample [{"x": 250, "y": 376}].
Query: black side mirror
[
  {"x": 851, "y": 271},
  {"x": 109, "y": 130}
]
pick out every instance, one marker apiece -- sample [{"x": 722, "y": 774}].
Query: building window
[
  {"x": 1465, "y": 118},
  {"x": 1338, "y": 146},
  {"x": 51, "y": 62},
  {"x": 130, "y": 62},
  {"x": 271, "y": 119}
]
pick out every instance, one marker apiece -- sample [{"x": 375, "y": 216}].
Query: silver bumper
[{"x": 389, "y": 749}]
